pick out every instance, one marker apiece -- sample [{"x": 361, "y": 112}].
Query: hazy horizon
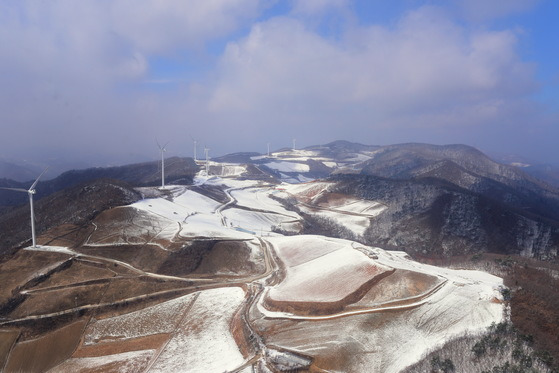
[{"x": 97, "y": 82}]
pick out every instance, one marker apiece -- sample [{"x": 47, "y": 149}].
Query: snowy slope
[
  {"x": 203, "y": 342},
  {"x": 466, "y": 302}
]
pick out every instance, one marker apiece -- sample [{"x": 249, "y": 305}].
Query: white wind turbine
[
  {"x": 294, "y": 144},
  {"x": 206, "y": 150},
  {"x": 30, "y": 192},
  {"x": 162, "y": 149},
  {"x": 195, "y": 149}
]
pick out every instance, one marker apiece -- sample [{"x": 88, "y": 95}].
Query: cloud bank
[{"x": 102, "y": 79}]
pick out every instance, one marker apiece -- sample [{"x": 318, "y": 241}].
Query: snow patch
[
  {"x": 54, "y": 249},
  {"x": 288, "y": 166}
]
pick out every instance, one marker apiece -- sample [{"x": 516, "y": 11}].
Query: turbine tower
[
  {"x": 162, "y": 149},
  {"x": 30, "y": 192},
  {"x": 206, "y": 150},
  {"x": 195, "y": 148},
  {"x": 268, "y": 149},
  {"x": 294, "y": 144}
]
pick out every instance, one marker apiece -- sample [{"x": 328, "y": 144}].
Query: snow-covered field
[
  {"x": 307, "y": 191},
  {"x": 328, "y": 270},
  {"x": 232, "y": 170},
  {"x": 161, "y": 318},
  {"x": 194, "y": 213},
  {"x": 260, "y": 222},
  {"x": 288, "y": 166},
  {"x": 199, "y": 325},
  {"x": 183, "y": 205},
  {"x": 352, "y": 213},
  {"x": 468, "y": 302},
  {"x": 203, "y": 341},
  {"x": 259, "y": 199},
  {"x": 355, "y": 223}
]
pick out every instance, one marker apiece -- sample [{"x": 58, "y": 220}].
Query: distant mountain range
[
  {"x": 177, "y": 170},
  {"x": 13, "y": 171}
]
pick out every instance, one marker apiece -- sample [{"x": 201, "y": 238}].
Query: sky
[{"x": 101, "y": 81}]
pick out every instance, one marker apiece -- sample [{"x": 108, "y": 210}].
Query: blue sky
[{"x": 98, "y": 80}]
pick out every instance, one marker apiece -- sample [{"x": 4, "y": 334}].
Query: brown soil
[
  {"x": 59, "y": 300},
  {"x": 335, "y": 349},
  {"x": 66, "y": 235},
  {"x": 144, "y": 257},
  {"x": 122, "y": 288},
  {"x": 21, "y": 268},
  {"x": 401, "y": 284},
  {"x": 150, "y": 342},
  {"x": 241, "y": 333},
  {"x": 7, "y": 340},
  {"x": 187, "y": 259},
  {"x": 77, "y": 271},
  {"x": 231, "y": 257},
  {"x": 41, "y": 354},
  {"x": 333, "y": 200},
  {"x": 118, "y": 269}
]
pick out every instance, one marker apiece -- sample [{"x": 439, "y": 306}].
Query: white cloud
[
  {"x": 73, "y": 69},
  {"x": 80, "y": 71},
  {"x": 155, "y": 26},
  {"x": 425, "y": 67}
]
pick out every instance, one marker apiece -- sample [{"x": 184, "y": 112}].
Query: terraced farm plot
[{"x": 324, "y": 281}]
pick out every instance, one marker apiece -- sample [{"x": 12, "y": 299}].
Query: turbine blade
[
  {"x": 16, "y": 189},
  {"x": 158, "y": 144},
  {"x": 37, "y": 180}
]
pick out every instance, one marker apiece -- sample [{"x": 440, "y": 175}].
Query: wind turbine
[
  {"x": 195, "y": 149},
  {"x": 162, "y": 149},
  {"x": 30, "y": 192},
  {"x": 268, "y": 149},
  {"x": 206, "y": 150},
  {"x": 294, "y": 144}
]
